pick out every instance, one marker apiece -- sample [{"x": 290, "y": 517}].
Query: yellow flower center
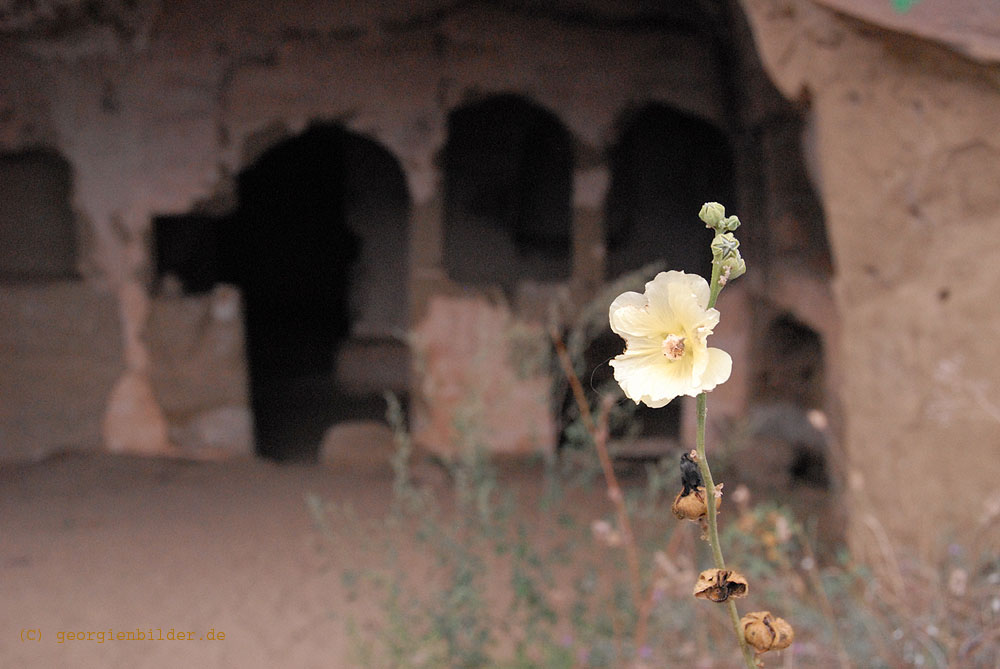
[{"x": 673, "y": 347}]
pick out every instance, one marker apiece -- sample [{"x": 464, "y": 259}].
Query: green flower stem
[
  {"x": 710, "y": 502},
  {"x": 713, "y": 525},
  {"x": 706, "y": 476},
  {"x": 715, "y": 283}
]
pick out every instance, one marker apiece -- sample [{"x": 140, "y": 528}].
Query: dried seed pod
[
  {"x": 692, "y": 505},
  {"x": 765, "y": 632},
  {"x": 718, "y": 585}
]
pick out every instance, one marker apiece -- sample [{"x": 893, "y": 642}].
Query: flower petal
[
  {"x": 691, "y": 311},
  {"x": 699, "y": 359},
  {"x": 630, "y": 317},
  {"x": 658, "y": 296},
  {"x": 720, "y": 366},
  {"x": 651, "y": 379},
  {"x": 694, "y": 284},
  {"x": 699, "y": 287}
]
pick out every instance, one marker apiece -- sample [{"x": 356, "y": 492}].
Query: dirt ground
[
  {"x": 123, "y": 561},
  {"x": 95, "y": 545}
]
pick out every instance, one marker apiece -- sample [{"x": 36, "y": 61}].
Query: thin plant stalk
[
  {"x": 713, "y": 526},
  {"x": 706, "y": 475},
  {"x": 599, "y": 434},
  {"x": 824, "y": 600}
]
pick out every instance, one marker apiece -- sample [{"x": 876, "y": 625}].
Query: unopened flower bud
[
  {"x": 765, "y": 632},
  {"x": 718, "y": 585},
  {"x": 728, "y": 224},
  {"x": 712, "y": 213},
  {"x": 725, "y": 246},
  {"x": 733, "y": 266}
]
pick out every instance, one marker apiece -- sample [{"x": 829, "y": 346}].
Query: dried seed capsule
[
  {"x": 718, "y": 585},
  {"x": 765, "y": 632},
  {"x": 692, "y": 505}
]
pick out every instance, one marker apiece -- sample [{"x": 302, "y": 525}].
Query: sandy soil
[
  {"x": 103, "y": 544},
  {"x": 96, "y": 545}
]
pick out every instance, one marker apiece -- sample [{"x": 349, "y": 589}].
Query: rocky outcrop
[{"x": 907, "y": 145}]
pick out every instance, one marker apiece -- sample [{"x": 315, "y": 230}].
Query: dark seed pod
[{"x": 690, "y": 474}]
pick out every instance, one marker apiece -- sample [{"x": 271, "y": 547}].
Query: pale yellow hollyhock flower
[{"x": 665, "y": 330}]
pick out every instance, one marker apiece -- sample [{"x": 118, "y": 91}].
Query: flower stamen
[{"x": 673, "y": 347}]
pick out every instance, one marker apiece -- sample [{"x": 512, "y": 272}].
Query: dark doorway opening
[
  {"x": 317, "y": 245},
  {"x": 508, "y": 178},
  {"x": 791, "y": 364},
  {"x": 37, "y": 236},
  {"x": 665, "y": 165},
  {"x": 292, "y": 254},
  {"x": 788, "y": 387},
  {"x": 187, "y": 253}
]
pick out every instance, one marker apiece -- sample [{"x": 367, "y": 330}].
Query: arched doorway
[
  {"x": 292, "y": 253},
  {"x": 508, "y": 170},
  {"x": 665, "y": 165},
  {"x": 320, "y": 252},
  {"x": 317, "y": 244}
]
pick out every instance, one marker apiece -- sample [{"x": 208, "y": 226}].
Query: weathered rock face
[
  {"x": 967, "y": 26},
  {"x": 134, "y": 422},
  {"x": 483, "y": 381},
  {"x": 907, "y": 145},
  {"x": 198, "y": 371},
  {"x": 60, "y": 354},
  {"x": 360, "y": 446},
  {"x": 156, "y": 108}
]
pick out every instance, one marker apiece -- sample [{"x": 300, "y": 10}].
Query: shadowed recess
[
  {"x": 508, "y": 170},
  {"x": 37, "y": 239},
  {"x": 665, "y": 165},
  {"x": 317, "y": 245}
]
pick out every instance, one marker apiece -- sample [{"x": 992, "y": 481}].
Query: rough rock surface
[
  {"x": 134, "y": 422},
  {"x": 358, "y": 445},
  {"x": 60, "y": 354},
  {"x": 218, "y": 432},
  {"x": 482, "y": 380},
  {"x": 907, "y": 139}
]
